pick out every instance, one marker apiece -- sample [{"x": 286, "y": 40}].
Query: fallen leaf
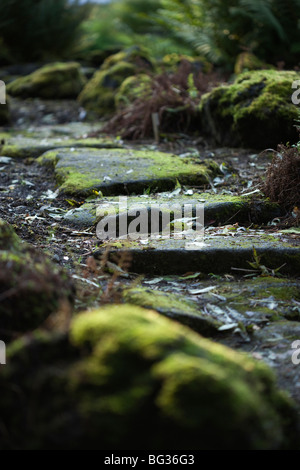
[{"x": 201, "y": 291}]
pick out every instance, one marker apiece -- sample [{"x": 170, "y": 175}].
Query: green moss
[
  {"x": 136, "y": 56},
  {"x": 174, "y": 306},
  {"x": 29, "y": 147},
  {"x": 83, "y": 171},
  {"x": 122, "y": 367},
  {"x": 279, "y": 288},
  {"x": 99, "y": 93},
  {"x": 49, "y": 158},
  {"x": 74, "y": 182},
  {"x": 156, "y": 300},
  {"x": 217, "y": 208},
  {"x": 8, "y": 238},
  {"x": 98, "y": 96},
  {"x": 171, "y": 62},
  {"x": 257, "y": 296},
  {"x": 31, "y": 287},
  {"x": 255, "y": 111},
  {"x": 132, "y": 88},
  {"x": 53, "y": 81}
]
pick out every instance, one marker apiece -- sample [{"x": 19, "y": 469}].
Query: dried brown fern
[
  {"x": 114, "y": 265},
  {"x": 282, "y": 184},
  {"x": 175, "y": 97},
  {"x": 119, "y": 266}
]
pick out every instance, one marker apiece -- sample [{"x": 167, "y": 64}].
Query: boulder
[
  {"x": 125, "y": 377},
  {"x": 98, "y": 96},
  {"x": 31, "y": 286},
  {"x": 53, "y": 81},
  {"x": 255, "y": 111}
]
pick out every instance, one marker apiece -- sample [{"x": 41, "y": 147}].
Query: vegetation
[
  {"x": 282, "y": 183},
  {"x": 174, "y": 97},
  {"x": 218, "y": 29},
  {"x": 222, "y": 29},
  {"x": 125, "y": 23},
  {"x": 40, "y": 29}
]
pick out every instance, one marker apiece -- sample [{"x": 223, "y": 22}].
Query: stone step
[
  {"x": 123, "y": 171},
  {"x": 218, "y": 209},
  {"x": 215, "y": 254},
  {"x": 32, "y": 147}
]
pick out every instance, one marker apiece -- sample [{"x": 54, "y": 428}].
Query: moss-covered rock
[
  {"x": 218, "y": 209},
  {"x": 171, "y": 62},
  {"x": 134, "y": 55},
  {"x": 32, "y": 147},
  {"x": 134, "y": 87},
  {"x": 129, "y": 377},
  {"x": 98, "y": 96},
  {"x": 174, "y": 306},
  {"x": 255, "y": 111},
  {"x": 8, "y": 238},
  {"x": 247, "y": 61},
  {"x": 123, "y": 171},
  {"x": 31, "y": 287},
  {"x": 53, "y": 81}
]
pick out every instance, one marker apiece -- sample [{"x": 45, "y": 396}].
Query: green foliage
[
  {"x": 124, "y": 23},
  {"x": 40, "y": 29},
  {"x": 136, "y": 15},
  {"x": 102, "y": 30},
  {"x": 260, "y": 269},
  {"x": 222, "y": 29}
]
